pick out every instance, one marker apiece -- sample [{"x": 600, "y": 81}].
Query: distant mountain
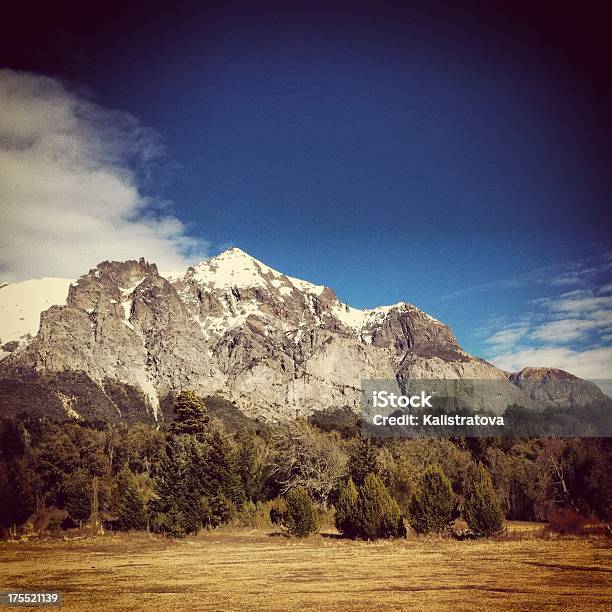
[
  {"x": 124, "y": 340},
  {"x": 556, "y": 386}
]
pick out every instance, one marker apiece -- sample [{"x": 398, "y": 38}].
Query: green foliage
[
  {"x": 176, "y": 507},
  {"x": 432, "y": 503},
  {"x": 128, "y": 501},
  {"x": 251, "y": 466},
  {"x": 17, "y": 494},
  {"x": 481, "y": 509},
  {"x": 301, "y": 517},
  {"x": 190, "y": 415},
  {"x": 346, "y": 506},
  {"x": 198, "y": 475},
  {"x": 75, "y": 495},
  {"x": 217, "y": 510},
  {"x": 368, "y": 512},
  {"x": 363, "y": 460},
  {"x": 220, "y": 474},
  {"x": 377, "y": 514}
]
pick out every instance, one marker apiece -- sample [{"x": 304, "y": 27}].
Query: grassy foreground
[{"x": 254, "y": 570}]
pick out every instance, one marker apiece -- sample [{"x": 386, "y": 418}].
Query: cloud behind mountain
[{"x": 73, "y": 185}]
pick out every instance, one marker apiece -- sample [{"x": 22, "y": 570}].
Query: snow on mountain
[{"x": 21, "y": 305}]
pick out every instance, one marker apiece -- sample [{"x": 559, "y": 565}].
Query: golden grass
[{"x": 258, "y": 571}]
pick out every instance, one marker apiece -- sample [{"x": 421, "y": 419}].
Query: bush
[
  {"x": 482, "y": 510},
  {"x": 346, "y": 507},
  {"x": 565, "y": 521},
  {"x": 432, "y": 503},
  {"x": 368, "y": 512},
  {"x": 302, "y": 517},
  {"x": 377, "y": 513}
]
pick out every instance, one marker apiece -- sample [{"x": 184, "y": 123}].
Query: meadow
[{"x": 232, "y": 570}]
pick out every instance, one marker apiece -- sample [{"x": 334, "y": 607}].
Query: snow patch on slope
[
  {"x": 22, "y": 303},
  {"x": 360, "y": 321}
]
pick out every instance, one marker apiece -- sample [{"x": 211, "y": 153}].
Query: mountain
[
  {"x": 125, "y": 340},
  {"x": 556, "y": 386}
]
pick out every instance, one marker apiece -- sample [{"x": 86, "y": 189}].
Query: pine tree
[
  {"x": 75, "y": 495},
  {"x": 363, "y": 461},
  {"x": 431, "y": 506},
  {"x": 221, "y": 476},
  {"x": 190, "y": 415},
  {"x": 346, "y": 507},
  {"x": 482, "y": 510},
  {"x": 301, "y": 517},
  {"x": 177, "y": 506},
  {"x": 128, "y": 501},
  {"x": 377, "y": 514}
]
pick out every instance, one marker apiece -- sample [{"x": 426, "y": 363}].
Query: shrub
[
  {"x": 346, "y": 507},
  {"x": 482, "y": 510},
  {"x": 377, "y": 514},
  {"x": 301, "y": 517},
  {"x": 565, "y": 521},
  {"x": 432, "y": 503}
]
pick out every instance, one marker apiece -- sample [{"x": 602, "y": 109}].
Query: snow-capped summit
[{"x": 234, "y": 268}]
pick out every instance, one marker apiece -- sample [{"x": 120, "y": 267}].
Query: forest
[{"x": 202, "y": 471}]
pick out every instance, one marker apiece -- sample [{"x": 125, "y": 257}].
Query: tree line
[{"x": 201, "y": 474}]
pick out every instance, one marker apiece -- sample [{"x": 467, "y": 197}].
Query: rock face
[
  {"x": 123, "y": 322},
  {"x": 557, "y": 386},
  {"x": 274, "y": 345}
]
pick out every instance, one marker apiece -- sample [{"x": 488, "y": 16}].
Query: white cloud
[
  {"x": 580, "y": 272},
  {"x": 606, "y": 288},
  {"x": 507, "y": 337},
  {"x": 568, "y": 330},
  {"x": 594, "y": 363},
  {"x": 580, "y": 320},
  {"x": 71, "y": 175}
]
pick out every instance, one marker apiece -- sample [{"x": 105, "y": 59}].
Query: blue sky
[{"x": 456, "y": 160}]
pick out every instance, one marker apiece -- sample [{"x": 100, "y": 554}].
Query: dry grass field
[{"x": 258, "y": 571}]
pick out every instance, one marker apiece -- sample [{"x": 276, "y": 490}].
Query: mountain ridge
[{"x": 275, "y": 345}]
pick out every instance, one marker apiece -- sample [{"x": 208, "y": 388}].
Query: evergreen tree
[
  {"x": 482, "y": 510},
  {"x": 128, "y": 501},
  {"x": 221, "y": 476},
  {"x": 363, "y": 461},
  {"x": 377, "y": 514},
  {"x": 177, "y": 506},
  {"x": 346, "y": 506},
  {"x": 76, "y": 495},
  {"x": 190, "y": 415},
  {"x": 301, "y": 517},
  {"x": 250, "y": 467},
  {"x": 431, "y": 506},
  {"x": 17, "y": 493}
]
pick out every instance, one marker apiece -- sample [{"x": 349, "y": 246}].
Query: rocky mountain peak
[
  {"x": 557, "y": 386},
  {"x": 538, "y": 374},
  {"x": 275, "y": 345}
]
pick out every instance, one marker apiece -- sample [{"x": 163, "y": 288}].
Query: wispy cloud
[
  {"x": 72, "y": 185},
  {"x": 581, "y": 273},
  {"x": 595, "y": 363},
  {"x": 570, "y": 331}
]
